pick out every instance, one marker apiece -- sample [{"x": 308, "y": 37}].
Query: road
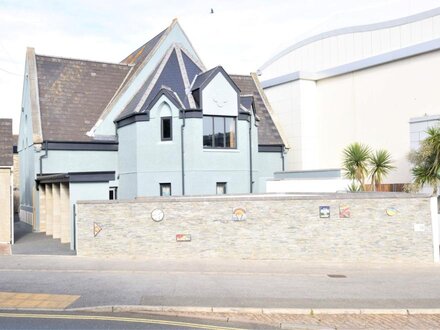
[
  {"x": 223, "y": 283},
  {"x": 62, "y": 321}
]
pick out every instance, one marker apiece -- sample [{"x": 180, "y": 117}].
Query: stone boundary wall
[
  {"x": 5, "y": 205},
  {"x": 276, "y": 227}
]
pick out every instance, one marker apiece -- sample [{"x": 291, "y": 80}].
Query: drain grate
[{"x": 336, "y": 276}]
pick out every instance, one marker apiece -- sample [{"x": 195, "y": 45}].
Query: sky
[{"x": 240, "y": 35}]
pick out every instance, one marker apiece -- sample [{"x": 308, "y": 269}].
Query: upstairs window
[
  {"x": 219, "y": 132},
  {"x": 166, "y": 128}
]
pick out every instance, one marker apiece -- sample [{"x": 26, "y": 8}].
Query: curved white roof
[{"x": 349, "y": 44}]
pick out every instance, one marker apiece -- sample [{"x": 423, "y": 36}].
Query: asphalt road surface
[
  {"x": 62, "y": 321},
  {"x": 223, "y": 283}
]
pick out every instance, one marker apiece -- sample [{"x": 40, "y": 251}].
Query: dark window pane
[
  {"x": 165, "y": 189},
  {"x": 230, "y": 132},
  {"x": 207, "y": 131},
  {"x": 166, "y": 128},
  {"x": 219, "y": 132},
  {"x": 221, "y": 188},
  {"x": 113, "y": 193}
]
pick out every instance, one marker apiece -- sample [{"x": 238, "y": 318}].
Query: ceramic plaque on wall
[
  {"x": 344, "y": 211},
  {"x": 183, "y": 238},
  {"x": 96, "y": 229},
  {"x": 239, "y": 214},
  {"x": 391, "y": 211},
  {"x": 324, "y": 211}
]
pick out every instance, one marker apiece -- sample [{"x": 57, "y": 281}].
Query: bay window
[{"x": 219, "y": 132}]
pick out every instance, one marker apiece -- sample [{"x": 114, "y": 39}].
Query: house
[
  {"x": 16, "y": 161},
  {"x": 6, "y": 182},
  {"x": 158, "y": 123},
  {"x": 357, "y": 83}
]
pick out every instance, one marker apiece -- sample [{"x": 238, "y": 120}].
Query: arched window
[{"x": 166, "y": 122}]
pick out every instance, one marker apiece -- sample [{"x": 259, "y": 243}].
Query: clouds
[{"x": 240, "y": 35}]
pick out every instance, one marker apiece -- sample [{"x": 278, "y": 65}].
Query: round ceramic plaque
[
  {"x": 391, "y": 211},
  {"x": 157, "y": 215}
]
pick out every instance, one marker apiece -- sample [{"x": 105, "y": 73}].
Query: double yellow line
[{"x": 113, "y": 319}]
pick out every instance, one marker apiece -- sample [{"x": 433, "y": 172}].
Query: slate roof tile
[
  {"x": 267, "y": 132},
  {"x": 139, "y": 55},
  {"x": 73, "y": 94}
]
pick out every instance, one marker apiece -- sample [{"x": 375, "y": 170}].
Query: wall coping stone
[{"x": 265, "y": 197}]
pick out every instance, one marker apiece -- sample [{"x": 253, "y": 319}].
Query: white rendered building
[{"x": 361, "y": 83}]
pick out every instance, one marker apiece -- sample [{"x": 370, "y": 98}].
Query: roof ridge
[
  {"x": 143, "y": 46},
  {"x": 129, "y": 78},
  {"x": 83, "y": 60}
]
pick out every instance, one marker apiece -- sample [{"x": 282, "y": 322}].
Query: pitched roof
[
  {"x": 139, "y": 55},
  {"x": 267, "y": 132},
  {"x": 73, "y": 93},
  {"x": 6, "y": 142},
  {"x": 201, "y": 78},
  {"x": 170, "y": 74},
  {"x": 246, "y": 102}
]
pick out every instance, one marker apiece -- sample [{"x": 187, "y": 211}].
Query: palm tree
[
  {"x": 380, "y": 166},
  {"x": 355, "y": 162},
  {"x": 426, "y": 160}
]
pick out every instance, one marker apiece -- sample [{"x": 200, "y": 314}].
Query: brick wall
[{"x": 277, "y": 227}]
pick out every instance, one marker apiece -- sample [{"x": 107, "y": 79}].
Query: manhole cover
[{"x": 336, "y": 276}]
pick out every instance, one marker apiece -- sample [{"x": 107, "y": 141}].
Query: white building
[{"x": 360, "y": 83}]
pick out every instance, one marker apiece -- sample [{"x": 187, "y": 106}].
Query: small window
[
  {"x": 113, "y": 193},
  {"x": 165, "y": 189},
  {"x": 221, "y": 188},
  {"x": 166, "y": 128}
]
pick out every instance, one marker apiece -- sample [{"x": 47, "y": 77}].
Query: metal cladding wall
[{"x": 379, "y": 227}]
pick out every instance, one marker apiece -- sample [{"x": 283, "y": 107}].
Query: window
[
  {"x": 219, "y": 132},
  {"x": 221, "y": 188},
  {"x": 166, "y": 128},
  {"x": 165, "y": 189},
  {"x": 113, "y": 193}
]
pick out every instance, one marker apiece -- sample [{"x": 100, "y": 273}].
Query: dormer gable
[{"x": 216, "y": 93}]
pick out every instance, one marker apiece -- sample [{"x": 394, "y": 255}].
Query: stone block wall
[
  {"x": 5, "y": 205},
  {"x": 276, "y": 227}
]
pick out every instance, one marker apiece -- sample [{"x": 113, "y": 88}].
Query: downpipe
[{"x": 182, "y": 130}]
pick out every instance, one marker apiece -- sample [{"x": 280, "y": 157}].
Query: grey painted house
[{"x": 158, "y": 123}]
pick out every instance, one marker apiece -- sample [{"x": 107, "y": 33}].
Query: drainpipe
[
  {"x": 251, "y": 179},
  {"x": 43, "y": 156},
  {"x": 282, "y": 156},
  {"x": 182, "y": 129}
]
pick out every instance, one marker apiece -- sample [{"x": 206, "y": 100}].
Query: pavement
[{"x": 32, "y": 243}]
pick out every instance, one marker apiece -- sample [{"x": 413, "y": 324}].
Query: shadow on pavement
[{"x": 29, "y": 242}]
